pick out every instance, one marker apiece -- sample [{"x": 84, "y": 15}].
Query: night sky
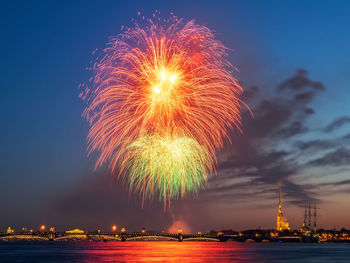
[{"x": 293, "y": 58}]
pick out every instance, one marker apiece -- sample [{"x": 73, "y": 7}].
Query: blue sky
[{"x": 46, "y": 46}]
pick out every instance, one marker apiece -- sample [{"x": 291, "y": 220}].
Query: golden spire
[
  {"x": 280, "y": 198},
  {"x": 282, "y": 223}
]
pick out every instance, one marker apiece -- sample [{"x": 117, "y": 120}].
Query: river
[{"x": 84, "y": 251}]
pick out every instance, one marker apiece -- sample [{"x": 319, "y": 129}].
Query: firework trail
[{"x": 163, "y": 101}]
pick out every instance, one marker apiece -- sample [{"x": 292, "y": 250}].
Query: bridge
[
  {"x": 141, "y": 236},
  {"x": 111, "y": 236}
]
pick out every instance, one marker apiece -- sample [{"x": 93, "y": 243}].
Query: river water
[{"x": 36, "y": 251}]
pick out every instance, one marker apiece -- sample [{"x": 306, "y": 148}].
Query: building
[
  {"x": 75, "y": 231},
  {"x": 10, "y": 230},
  {"x": 282, "y": 223}
]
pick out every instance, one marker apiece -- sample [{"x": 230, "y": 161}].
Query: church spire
[
  {"x": 282, "y": 223},
  {"x": 280, "y": 198}
]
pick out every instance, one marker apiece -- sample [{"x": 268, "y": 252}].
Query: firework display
[{"x": 162, "y": 103}]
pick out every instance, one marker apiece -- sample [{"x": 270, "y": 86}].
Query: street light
[
  {"x": 114, "y": 228},
  {"x": 123, "y": 230},
  {"x": 42, "y": 228}
]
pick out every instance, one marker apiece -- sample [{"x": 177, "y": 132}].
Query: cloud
[
  {"x": 339, "y": 157},
  {"x": 347, "y": 137},
  {"x": 253, "y": 162},
  {"x": 304, "y": 97},
  {"x": 338, "y": 183},
  {"x": 319, "y": 145},
  {"x": 300, "y": 82},
  {"x": 293, "y": 129},
  {"x": 314, "y": 145},
  {"x": 337, "y": 124}
]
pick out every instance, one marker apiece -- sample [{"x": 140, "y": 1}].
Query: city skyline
[
  {"x": 295, "y": 81},
  {"x": 281, "y": 224}
]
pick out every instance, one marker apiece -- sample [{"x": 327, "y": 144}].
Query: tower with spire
[{"x": 282, "y": 223}]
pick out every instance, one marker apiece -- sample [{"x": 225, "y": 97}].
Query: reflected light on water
[
  {"x": 166, "y": 252},
  {"x": 159, "y": 251}
]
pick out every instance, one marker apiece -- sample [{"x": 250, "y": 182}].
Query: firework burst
[
  {"x": 170, "y": 167},
  {"x": 162, "y": 102}
]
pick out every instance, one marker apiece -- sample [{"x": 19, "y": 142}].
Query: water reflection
[
  {"x": 166, "y": 252},
  {"x": 84, "y": 251}
]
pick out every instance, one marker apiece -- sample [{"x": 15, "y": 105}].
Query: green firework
[{"x": 166, "y": 166}]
